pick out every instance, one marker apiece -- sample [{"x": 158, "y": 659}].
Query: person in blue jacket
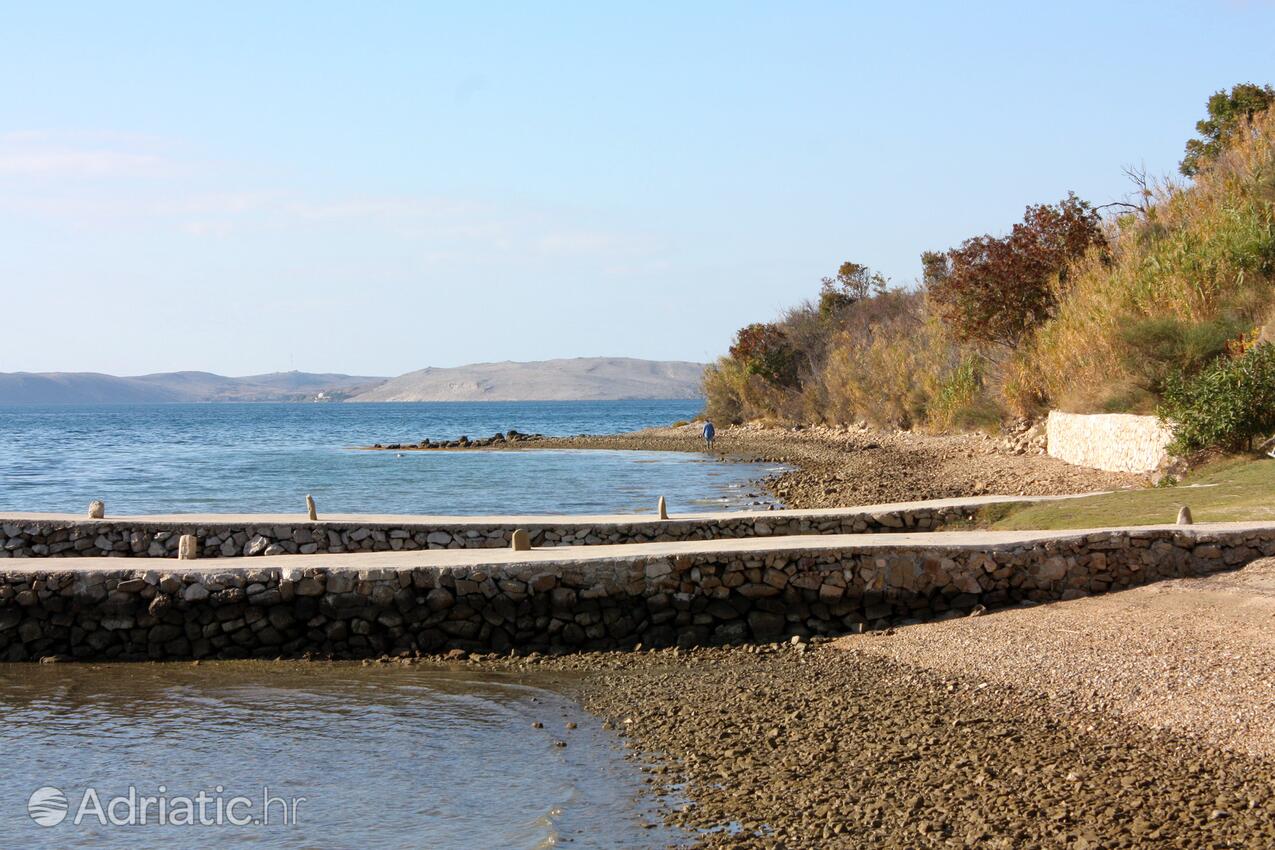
[{"x": 709, "y": 433}]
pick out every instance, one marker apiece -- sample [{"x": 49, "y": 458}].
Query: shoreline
[
  {"x": 1057, "y": 725},
  {"x": 840, "y": 466},
  {"x": 851, "y": 743},
  {"x": 895, "y": 739},
  {"x": 1138, "y": 718}
]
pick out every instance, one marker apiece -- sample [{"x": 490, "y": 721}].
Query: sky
[{"x": 373, "y": 188}]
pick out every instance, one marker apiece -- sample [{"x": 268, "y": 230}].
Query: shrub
[
  {"x": 996, "y": 289},
  {"x": 1161, "y": 347},
  {"x": 763, "y": 350},
  {"x": 960, "y": 401},
  {"x": 853, "y": 283},
  {"x": 1227, "y": 405}
]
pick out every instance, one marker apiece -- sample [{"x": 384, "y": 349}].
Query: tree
[
  {"x": 853, "y": 282},
  {"x": 934, "y": 268},
  {"x": 1229, "y": 114},
  {"x": 763, "y": 349},
  {"x": 995, "y": 289}
]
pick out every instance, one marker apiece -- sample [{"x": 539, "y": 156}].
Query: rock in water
[
  {"x": 97, "y": 509},
  {"x": 188, "y": 547},
  {"x": 310, "y": 509},
  {"x": 520, "y": 541},
  {"x": 1184, "y": 516}
]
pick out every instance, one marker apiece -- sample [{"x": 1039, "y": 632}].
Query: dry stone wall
[
  {"x": 1117, "y": 442},
  {"x": 133, "y": 538},
  {"x": 222, "y": 610}
]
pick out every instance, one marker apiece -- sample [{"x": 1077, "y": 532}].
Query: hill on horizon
[
  {"x": 173, "y": 387},
  {"x": 578, "y": 379},
  {"x": 574, "y": 379}
]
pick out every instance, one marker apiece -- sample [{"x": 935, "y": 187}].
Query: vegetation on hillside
[{"x": 1145, "y": 305}]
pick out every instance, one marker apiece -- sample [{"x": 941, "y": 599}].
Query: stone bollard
[
  {"x": 520, "y": 541},
  {"x": 310, "y": 509},
  {"x": 1184, "y": 516},
  {"x": 662, "y": 506},
  {"x": 187, "y": 547},
  {"x": 97, "y": 509}
]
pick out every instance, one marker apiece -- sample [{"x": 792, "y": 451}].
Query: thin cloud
[
  {"x": 46, "y": 154},
  {"x": 79, "y": 164},
  {"x": 48, "y": 176}
]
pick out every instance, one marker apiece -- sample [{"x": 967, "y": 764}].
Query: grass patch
[{"x": 1236, "y": 489}]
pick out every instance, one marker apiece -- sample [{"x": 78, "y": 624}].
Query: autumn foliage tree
[
  {"x": 996, "y": 289},
  {"x": 853, "y": 282},
  {"x": 764, "y": 350}
]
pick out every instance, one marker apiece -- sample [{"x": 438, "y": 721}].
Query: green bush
[
  {"x": 1227, "y": 405},
  {"x": 1163, "y": 346}
]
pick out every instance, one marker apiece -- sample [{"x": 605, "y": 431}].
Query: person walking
[{"x": 709, "y": 433}]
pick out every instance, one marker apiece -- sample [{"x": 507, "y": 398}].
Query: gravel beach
[
  {"x": 840, "y": 466},
  {"x": 1195, "y": 656},
  {"x": 1140, "y": 719}
]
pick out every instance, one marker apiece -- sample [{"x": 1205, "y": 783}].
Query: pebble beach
[{"x": 1125, "y": 723}]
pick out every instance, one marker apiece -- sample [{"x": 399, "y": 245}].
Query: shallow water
[
  {"x": 245, "y": 458},
  {"x": 385, "y": 757}
]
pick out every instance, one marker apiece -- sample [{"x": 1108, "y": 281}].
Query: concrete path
[
  {"x": 560, "y": 555},
  {"x": 536, "y": 520}
]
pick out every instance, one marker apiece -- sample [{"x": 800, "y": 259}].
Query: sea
[
  {"x": 265, "y": 458},
  {"x": 326, "y": 755},
  {"x": 309, "y": 756}
]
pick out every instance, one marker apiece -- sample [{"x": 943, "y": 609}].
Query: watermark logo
[{"x": 47, "y": 806}]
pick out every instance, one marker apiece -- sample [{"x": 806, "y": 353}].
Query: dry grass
[{"x": 1200, "y": 253}]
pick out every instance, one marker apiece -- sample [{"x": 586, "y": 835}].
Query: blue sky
[{"x": 373, "y": 188}]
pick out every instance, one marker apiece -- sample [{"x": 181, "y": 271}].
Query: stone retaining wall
[
  {"x": 137, "y": 612},
  {"x": 124, "y": 537},
  {"x": 1117, "y": 442}
]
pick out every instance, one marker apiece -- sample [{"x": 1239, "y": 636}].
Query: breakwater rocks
[
  {"x": 699, "y": 594},
  {"x": 140, "y": 538},
  {"x": 499, "y": 439}
]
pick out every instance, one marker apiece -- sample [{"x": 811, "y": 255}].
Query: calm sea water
[
  {"x": 226, "y": 458},
  {"x": 384, "y": 757}
]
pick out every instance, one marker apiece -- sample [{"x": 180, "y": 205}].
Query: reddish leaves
[{"x": 995, "y": 289}]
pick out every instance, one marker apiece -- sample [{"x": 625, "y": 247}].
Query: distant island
[{"x": 576, "y": 379}]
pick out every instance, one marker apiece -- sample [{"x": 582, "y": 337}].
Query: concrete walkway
[
  {"x": 959, "y": 541},
  {"x": 534, "y": 520}
]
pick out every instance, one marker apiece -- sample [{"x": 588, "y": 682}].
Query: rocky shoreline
[
  {"x": 823, "y": 744},
  {"x": 836, "y": 466},
  {"x": 1111, "y": 721}
]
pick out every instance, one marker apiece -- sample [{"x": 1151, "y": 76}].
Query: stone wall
[
  {"x": 1117, "y": 442},
  {"x": 124, "y": 537},
  {"x": 324, "y": 608}
]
